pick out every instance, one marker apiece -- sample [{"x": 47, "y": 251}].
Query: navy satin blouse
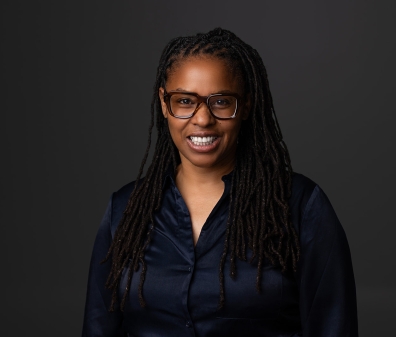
[{"x": 182, "y": 282}]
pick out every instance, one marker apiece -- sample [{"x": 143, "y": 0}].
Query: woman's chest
[{"x": 182, "y": 282}]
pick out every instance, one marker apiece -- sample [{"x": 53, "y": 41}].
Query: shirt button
[
  {"x": 188, "y": 324},
  {"x": 189, "y": 268}
]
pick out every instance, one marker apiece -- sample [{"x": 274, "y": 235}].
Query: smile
[{"x": 202, "y": 141}]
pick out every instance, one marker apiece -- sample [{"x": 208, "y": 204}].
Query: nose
[{"x": 203, "y": 117}]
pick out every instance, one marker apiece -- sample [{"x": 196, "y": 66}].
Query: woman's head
[{"x": 258, "y": 218}]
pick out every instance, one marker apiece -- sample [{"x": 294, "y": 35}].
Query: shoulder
[
  {"x": 119, "y": 202},
  {"x": 311, "y": 209},
  {"x": 121, "y": 196},
  {"x": 302, "y": 190}
]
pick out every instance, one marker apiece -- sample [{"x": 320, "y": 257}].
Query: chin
[
  {"x": 207, "y": 163},
  {"x": 204, "y": 163}
]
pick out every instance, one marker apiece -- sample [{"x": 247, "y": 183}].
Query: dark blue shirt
[{"x": 182, "y": 282}]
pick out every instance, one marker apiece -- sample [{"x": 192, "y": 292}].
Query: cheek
[
  {"x": 175, "y": 129},
  {"x": 232, "y": 131}
]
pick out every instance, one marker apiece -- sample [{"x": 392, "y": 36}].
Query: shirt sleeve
[
  {"x": 325, "y": 275},
  {"x": 98, "y": 321}
]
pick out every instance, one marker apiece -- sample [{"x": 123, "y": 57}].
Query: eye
[
  {"x": 183, "y": 101},
  {"x": 222, "y": 102}
]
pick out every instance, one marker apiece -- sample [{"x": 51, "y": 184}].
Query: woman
[{"x": 220, "y": 238}]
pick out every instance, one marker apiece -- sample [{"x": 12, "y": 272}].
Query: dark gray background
[{"x": 78, "y": 81}]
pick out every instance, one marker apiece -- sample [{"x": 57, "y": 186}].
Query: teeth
[{"x": 202, "y": 140}]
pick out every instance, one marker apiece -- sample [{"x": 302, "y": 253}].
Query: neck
[{"x": 194, "y": 175}]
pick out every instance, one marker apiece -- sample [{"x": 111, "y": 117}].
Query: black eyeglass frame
[{"x": 201, "y": 99}]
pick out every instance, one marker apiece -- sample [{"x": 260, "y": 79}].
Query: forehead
[{"x": 203, "y": 75}]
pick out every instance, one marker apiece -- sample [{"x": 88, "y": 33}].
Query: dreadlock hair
[{"x": 259, "y": 218}]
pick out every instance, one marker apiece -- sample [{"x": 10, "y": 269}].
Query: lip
[
  {"x": 203, "y": 148},
  {"x": 203, "y": 134}
]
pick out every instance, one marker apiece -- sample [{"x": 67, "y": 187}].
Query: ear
[{"x": 163, "y": 104}]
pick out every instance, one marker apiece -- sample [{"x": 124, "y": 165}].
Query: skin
[{"x": 199, "y": 175}]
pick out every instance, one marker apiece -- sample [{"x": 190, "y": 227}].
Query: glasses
[{"x": 186, "y": 104}]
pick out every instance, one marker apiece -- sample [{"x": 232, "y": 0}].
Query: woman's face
[{"x": 204, "y": 76}]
